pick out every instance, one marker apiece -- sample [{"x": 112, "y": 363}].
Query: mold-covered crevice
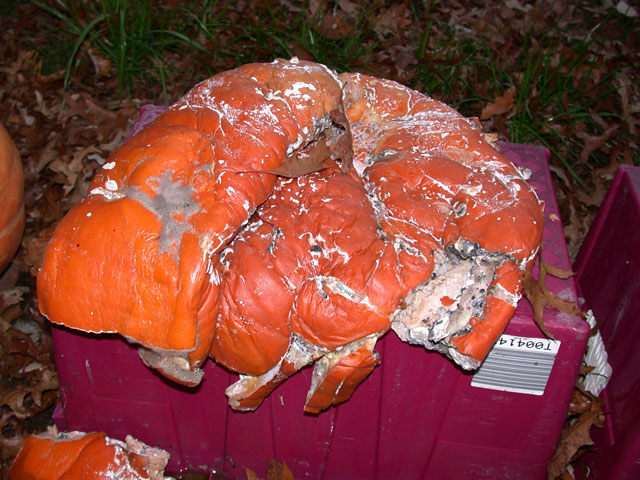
[{"x": 443, "y": 307}]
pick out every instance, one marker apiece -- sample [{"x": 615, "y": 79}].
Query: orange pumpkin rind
[
  {"x": 423, "y": 237},
  {"x": 11, "y": 198},
  {"x": 137, "y": 254},
  {"x": 205, "y": 251},
  {"x": 92, "y": 456}
]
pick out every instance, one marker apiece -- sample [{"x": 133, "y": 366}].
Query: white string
[{"x": 596, "y": 356}]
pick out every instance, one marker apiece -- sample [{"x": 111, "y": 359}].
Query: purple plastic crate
[
  {"x": 416, "y": 416},
  {"x": 608, "y": 278}
]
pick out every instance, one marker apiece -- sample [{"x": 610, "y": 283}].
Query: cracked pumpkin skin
[
  {"x": 137, "y": 253},
  {"x": 351, "y": 251},
  {"x": 426, "y": 236},
  {"x": 11, "y": 199}
]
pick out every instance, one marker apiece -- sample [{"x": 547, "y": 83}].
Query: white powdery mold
[
  {"x": 523, "y": 264},
  {"x": 295, "y": 145},
  {"x": 501, "y": 293},
  {"x": 300, "y": 353},
  {"x": 265, "y": 112},
  {"x": 524, "y": 172},
  {"x": 275, "y": 95},
  {"x": 170, "y": 198},
  {"x": 325, "y": 363},
  {"x": 508, "y": 182},
  {"x": 111, "y": 185},
  {"x": 295, "y": 91},
  {"x": 208, "y": 246},
  {"x": 472, "y": 190},
  {"x": 335, "y": 285},
  {"x": 108, "y": 194},
  {"x": 336, "y": 250}
]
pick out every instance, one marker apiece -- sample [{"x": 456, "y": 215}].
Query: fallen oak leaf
[
  {"x": 15, "y": 397},
  {"x": 575, "y": 436},
  {"x": 72, "y": 169},
  {"x": 555, "y": 271},
  {"x": 251, "y": 475},
  {"x": 84, "y": 106},
  {"x": 594, "y": 142},
  {"x": 12, "y": 296},
  {"x": 277, "y": 471},
  {"x": 580, "y": 402},
  {"x": 501, "y": 104},
  {"x": 536, "y": 291},
  {"x": 101, "y": 64},
  {"x": 34, "y": 247}
]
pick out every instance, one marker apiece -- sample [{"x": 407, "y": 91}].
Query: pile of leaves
[
  {"x": 545, "y": 72},
  {"x": 60, "y": 150},
  {"x": 585, "y": 411}
]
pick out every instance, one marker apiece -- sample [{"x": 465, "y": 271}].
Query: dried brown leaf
[
  {"x": 594, "y": 142},
  {"x": 45, "y": 156},
  {"x": 580, "y": 403},
  {"x": 277, "y": 471},
  {"x": 15, "y": 397},
  {"x": 547, "y": 268},
  {"x": 392, "y": 21},
  {"x": 41, "y": 106},
  {"x": 575, "y": 436},
  {"x": 72, "y": 169},
  {"x": 250, "y": 474},
  {"x": 35, "y": 246},
  {"x": 11, "y": 297},
  {"x": 102, "y": 65},
  {"x": 84, "y": 106},
  {"x": 336, "y": 25},
  {"x": 9, "y": 277},
  {"x": 536, "y": 291},
  {"x": 500, "y": 105}
]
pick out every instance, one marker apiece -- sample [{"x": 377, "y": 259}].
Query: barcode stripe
[
  {"x": 519, "y": 353},
  {"x": 508, "y": 376},
  {"x": 505, "y": 381},
  {"x": 511, "y": 366},
  {"x": 518, "y": 368}
]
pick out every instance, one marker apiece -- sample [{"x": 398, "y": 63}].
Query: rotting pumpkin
[
  {"x": 92, "y": 456},
  {"x": 137, "y": 254},
  {"x": 426, "y": 236},
  {"x": 11, "y": 199}
]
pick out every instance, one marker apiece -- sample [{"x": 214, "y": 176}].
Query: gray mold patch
[
  {"x": 171, "y": 199},
  {"x": 462, "y": 279}
]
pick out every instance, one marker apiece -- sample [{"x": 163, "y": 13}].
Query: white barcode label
[{"x": 518, "y": 364}]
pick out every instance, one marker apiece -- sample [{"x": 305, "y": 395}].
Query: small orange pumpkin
[
  {"x": 11, "y": 199},
  {"x": 92, "y": 456}
]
